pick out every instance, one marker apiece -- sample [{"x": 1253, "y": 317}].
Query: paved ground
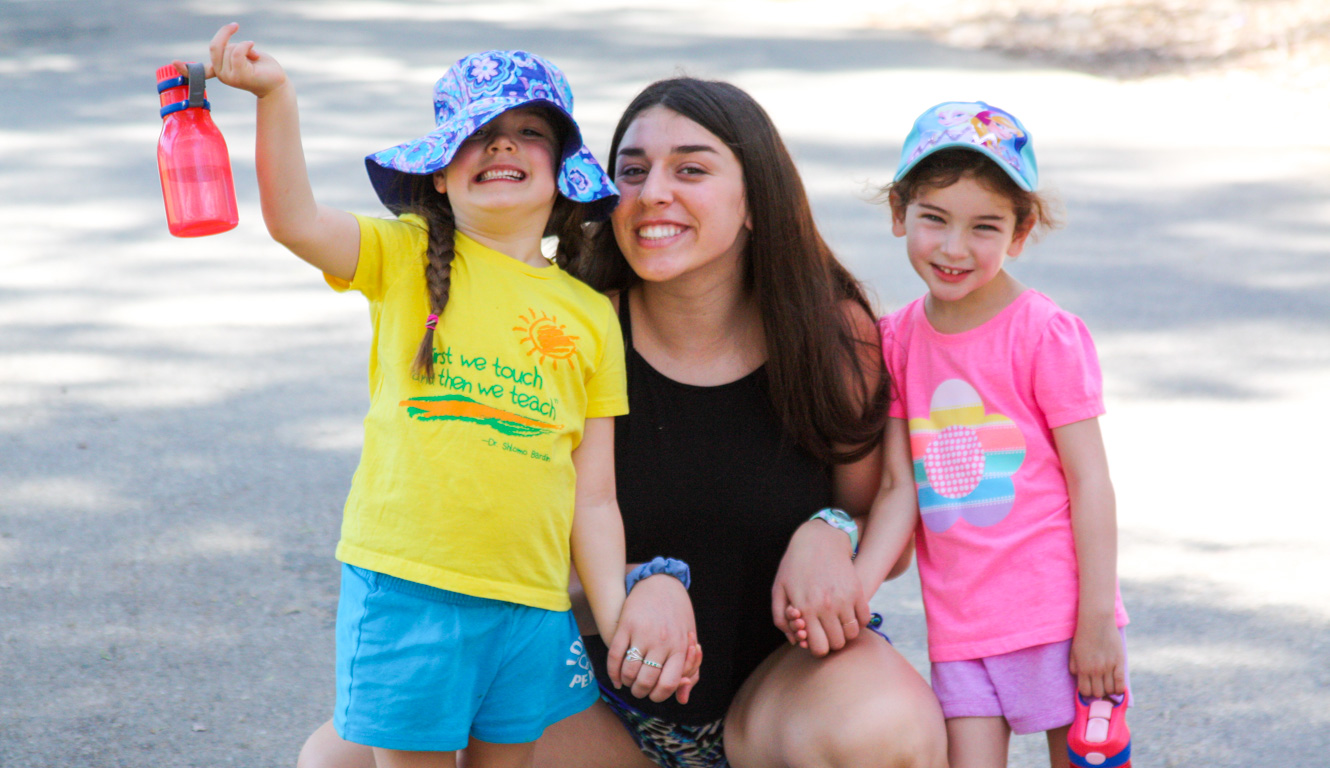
[{"x": 179, "y": 419}]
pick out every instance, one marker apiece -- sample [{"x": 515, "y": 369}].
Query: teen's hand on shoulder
[
  {"x": 817, "y": 599},
  {"x": 1098, "y": 660},
  {"x": 657, "y": 625},
  {"x": 239, "y": 65}
]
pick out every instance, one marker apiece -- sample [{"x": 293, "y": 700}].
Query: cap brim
[{"x": 1001, "y": 162}]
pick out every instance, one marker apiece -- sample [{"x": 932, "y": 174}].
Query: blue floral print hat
[
  {"x": 977, "y": 126},
  {"x": 475, "y": 90}
]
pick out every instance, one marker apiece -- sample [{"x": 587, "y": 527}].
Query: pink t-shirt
[{"x": 997, "y": 561}]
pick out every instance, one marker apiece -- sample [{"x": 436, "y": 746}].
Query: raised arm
[
  {"x": 326, "y": 237},
  {"x": 1097, "y": 657}
]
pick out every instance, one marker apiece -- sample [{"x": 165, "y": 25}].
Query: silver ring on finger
[
  {"x": 651, "y": 663},
  {"x": 634, "y": 654}
]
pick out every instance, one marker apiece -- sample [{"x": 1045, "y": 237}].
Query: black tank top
[{"x": 704, "y": 475}]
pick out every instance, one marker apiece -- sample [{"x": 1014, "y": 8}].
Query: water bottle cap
[{"x": 168, "y": 77}]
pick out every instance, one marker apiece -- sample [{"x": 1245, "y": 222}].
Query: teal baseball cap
[{"x": 976, "y": 126}]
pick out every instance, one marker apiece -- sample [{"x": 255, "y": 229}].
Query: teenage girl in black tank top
[{"x": 705, "y": 475}]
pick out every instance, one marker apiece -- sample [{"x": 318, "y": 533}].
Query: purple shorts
[{"x": 1032, "y": 687}]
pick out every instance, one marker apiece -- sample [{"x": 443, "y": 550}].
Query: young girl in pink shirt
[{"x": 997, "y": 396}]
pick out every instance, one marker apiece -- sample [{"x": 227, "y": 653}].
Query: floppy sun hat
[
  {"x": 976, "y": 126},
  {"x": 474, "y": 91}
]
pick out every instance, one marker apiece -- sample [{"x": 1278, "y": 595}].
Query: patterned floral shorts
[{"x": 671, "y": 745}]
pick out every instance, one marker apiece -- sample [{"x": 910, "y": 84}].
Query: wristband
[
  {"x": 666, "y": 565},
  {"x": 839, "y": 518}
]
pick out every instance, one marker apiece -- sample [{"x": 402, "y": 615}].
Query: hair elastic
[
  {"x": 666, "y": 565},
  {"x": 431, "y": 321}
]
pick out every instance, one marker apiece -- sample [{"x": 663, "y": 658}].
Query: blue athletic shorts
[{"x": 424, "y": 669}]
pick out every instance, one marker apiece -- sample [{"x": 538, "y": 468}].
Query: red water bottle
[{"x": 191, "y": 156}]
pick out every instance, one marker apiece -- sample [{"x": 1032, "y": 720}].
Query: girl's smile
[
  {"x": 504, "y": 173},
  {"x": 951, "y": 275},
  {"x": 657, "y": 234}
]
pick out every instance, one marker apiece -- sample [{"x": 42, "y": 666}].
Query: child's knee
[{"x": 325, "y": 749}]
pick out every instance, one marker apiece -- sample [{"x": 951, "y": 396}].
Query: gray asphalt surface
[{"x": 179, "y": 419}]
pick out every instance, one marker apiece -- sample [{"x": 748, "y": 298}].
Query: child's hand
[
  {"x": 791, "y": 620},
  {"x": 692, "y": 670},
  {"x": 1098, "y": 660},
  {"x": 796, "y": 629},
  {"x": 239, "y": 65}
]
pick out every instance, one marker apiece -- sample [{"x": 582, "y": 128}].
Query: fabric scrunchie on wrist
[{"x": 666, "y": 565}]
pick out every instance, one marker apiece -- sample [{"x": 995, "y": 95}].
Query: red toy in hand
[{"x": 1099, "y": 737}]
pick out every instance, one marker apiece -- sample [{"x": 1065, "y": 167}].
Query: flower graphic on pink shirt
[{"x": 964, "y": 459}]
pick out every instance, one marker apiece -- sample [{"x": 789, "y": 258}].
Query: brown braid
[{"x": 433, "y": 207}]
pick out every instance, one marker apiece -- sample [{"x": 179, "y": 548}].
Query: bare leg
[
  {"x": 863, "y": 706},
  {"x": 396, "y": 758},
  {"x": 483, "y": 754},
  {"x": 478, "y": 754},
  {"x": 1057, "y": 747},
  {"x": 325, "y": 749},
  {"x": 978, "y": 742},
  {"x": 593, "y": 738}
]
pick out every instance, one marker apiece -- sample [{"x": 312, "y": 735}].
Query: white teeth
[
  {"x": 659, "y": 231},
  {"x": 502, "y": 173},
  {"x": 949, "y": 270}
]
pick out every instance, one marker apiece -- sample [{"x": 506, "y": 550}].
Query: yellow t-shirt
[{"x": 467, "y": 484}]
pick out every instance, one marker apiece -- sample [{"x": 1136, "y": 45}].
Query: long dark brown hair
[
  {"x": 818, "y": 368},
  {"x": 566, "y": 222}
]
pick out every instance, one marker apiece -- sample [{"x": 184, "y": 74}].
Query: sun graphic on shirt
[{"x": 547, "y": 337}]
